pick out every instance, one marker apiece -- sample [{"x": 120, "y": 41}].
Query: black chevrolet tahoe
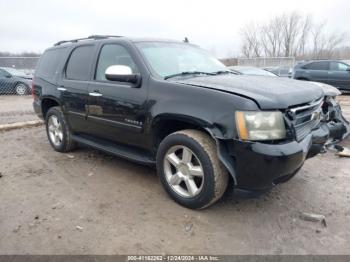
[{"x": 172, "y": 105}]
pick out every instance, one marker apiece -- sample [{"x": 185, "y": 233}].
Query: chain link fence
[
  {"x": 281, "y": 66},
  {"x": 16, "y": 75}
]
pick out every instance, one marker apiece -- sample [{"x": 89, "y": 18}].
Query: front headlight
[{"x": 255, "y": 125}]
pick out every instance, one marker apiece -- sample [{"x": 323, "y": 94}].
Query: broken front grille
[{"x": 305, "y": 118}]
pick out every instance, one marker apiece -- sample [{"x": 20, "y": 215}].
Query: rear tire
[
  {"x": 58, "y": 132},
  {"x": 21, "y": 89},
  {"x": 189, "y": 169}
]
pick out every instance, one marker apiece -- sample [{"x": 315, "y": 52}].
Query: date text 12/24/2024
[{"x": 173, "y": 258}]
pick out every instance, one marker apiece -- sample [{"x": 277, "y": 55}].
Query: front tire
[
  {"x": 189, "y": 169},
  {"x": 58, "y": 132}
]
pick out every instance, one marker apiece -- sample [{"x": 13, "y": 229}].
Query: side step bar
[{"x": 122, "y": 151}]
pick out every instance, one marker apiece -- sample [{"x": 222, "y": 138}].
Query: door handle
[
  {"x": 95, "y": 94},
  {"x": 61, "y": 89}
]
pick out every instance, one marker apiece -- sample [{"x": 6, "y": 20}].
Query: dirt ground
[
  {"x": 87, "y": 202},
  {"x": 16, "y": 109}
]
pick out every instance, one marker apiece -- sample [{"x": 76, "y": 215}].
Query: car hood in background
[
  {"x": 28, "y": 77},
  {"x": 268, "y": 92}
]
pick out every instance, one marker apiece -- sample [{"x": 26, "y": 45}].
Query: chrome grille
[{"x": 306, "y": 118}]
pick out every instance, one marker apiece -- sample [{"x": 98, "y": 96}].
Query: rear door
[
  {"x": 339, "y": 75},
  {"x": 317, "y": 71},
  {"x": 74, "y": 86},
  {"x": 117, "y": 111}
]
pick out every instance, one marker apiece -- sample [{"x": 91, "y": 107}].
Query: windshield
[
  {"x": 168, "y": 59},
  {"x": 14, "y": 72}
]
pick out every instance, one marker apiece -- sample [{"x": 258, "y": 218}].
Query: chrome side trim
[{"x": 115, "y": 123}]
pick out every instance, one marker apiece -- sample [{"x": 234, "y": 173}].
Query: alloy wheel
[
  {"x": 183, "y": 171},
  {"x": 21, "y": 89},
  {"x": 55, "y": 130}
]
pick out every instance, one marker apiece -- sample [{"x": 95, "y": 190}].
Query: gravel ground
[{"x": 87, "y": 202}]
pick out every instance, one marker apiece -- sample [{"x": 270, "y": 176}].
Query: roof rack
[{"x": 92, "y": 37}]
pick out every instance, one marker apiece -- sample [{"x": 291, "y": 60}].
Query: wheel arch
[
  {"x": 21, "y": 83},
  {"x": 47, "y": 103},
  {"x": 164, "y": 125}
]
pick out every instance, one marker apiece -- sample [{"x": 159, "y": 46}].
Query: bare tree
[
  {"x": 251, "y": 41},
  {"x": 318, "y": 41},
  {"x": 304, "y": 36},
  {"x": 290, "y": 28},
  {"x": 290, "y": 35},
  {"x": 324, "y": 45},
  {"x": 271, "y": 37}
]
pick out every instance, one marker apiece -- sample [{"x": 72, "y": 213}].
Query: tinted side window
[
  {"x": 79, "y": 63},
  {"x": 318, "y": 66},
  {"x": 49, "y": 62},
  {"x": 113, "y": 54},
  {"x": 336, "y": 66}
]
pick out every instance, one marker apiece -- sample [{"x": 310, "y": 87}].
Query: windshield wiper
[
  {"x": 223, "y": 72},
  {"x": 188, "y": 73}
]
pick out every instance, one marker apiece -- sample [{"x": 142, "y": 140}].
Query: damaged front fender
[{"x": 339, "y": 126}]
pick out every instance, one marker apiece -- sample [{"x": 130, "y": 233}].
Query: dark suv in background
[
  {"x": 332, "y": 72},
  {"x": 171, "y": 104}
]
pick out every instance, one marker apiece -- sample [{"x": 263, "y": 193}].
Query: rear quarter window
[{"x": 49, "y": 63}]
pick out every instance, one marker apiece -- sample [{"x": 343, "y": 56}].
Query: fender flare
[
  {"x": 43, "y": 98},
  {"x": 51, "y": 98},
  {"x": 223, "y": 155}
]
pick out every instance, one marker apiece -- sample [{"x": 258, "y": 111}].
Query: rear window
[
  {"x": 49, "y": 62},
  {"x": 317, "y": 66},
  {"x": 79, "y": 64}
]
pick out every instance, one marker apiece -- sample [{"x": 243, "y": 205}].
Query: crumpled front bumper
[
  {"x": 339, "y": 127},
  {"x": 257, "y": 166},
  {"x": 260, "y": 166}
]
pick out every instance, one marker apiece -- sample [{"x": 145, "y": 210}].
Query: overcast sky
[{"x": 215, "y": 25}]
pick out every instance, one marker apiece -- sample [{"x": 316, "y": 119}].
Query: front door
[{"x": 116, "y": 110}]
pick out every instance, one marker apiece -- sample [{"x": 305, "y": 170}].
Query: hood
[
  {"x": 328, "y": 89},
  {"x": 267, "y": 92}
]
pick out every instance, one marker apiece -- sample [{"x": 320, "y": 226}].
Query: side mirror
[
  {"x": 348, "y": 69},
  {"x": 8, "y": 76},
  {"x": 122, "y": 73}
]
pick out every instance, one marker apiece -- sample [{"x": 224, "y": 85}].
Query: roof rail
[{"x": 92, "y": 37}]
